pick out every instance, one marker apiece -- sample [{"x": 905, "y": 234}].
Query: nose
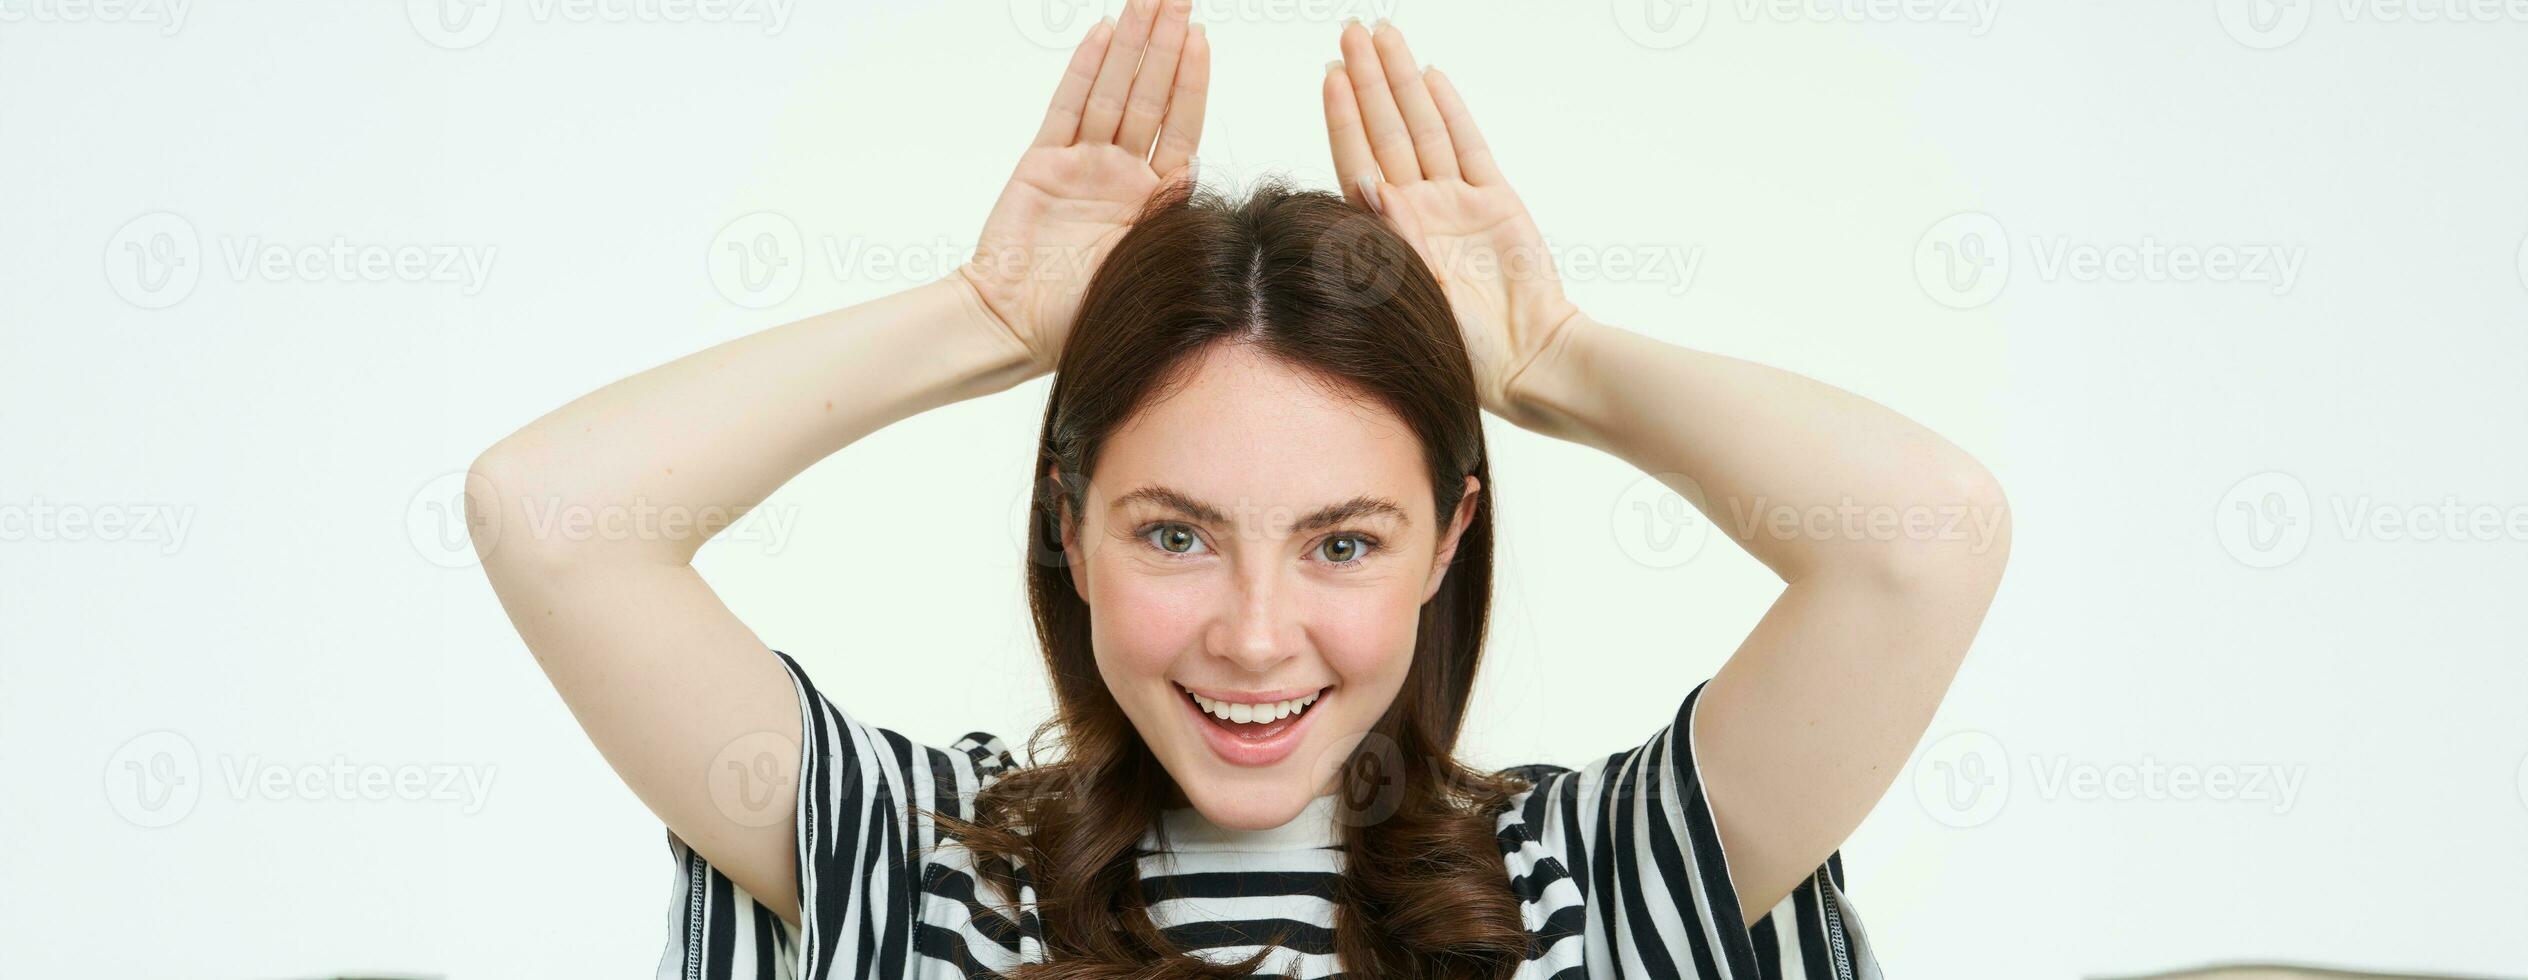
[{"x": 1261, "y": 626}]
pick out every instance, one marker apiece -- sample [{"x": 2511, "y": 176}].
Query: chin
[{"x": 1249, "y": 810}]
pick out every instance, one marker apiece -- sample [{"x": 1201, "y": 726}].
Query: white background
[{"x": 301, "y": 433}]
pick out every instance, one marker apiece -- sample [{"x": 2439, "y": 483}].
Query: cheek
[
  {"x": 1140, "y": 625},
  {"x": 1367, "y": 635}
]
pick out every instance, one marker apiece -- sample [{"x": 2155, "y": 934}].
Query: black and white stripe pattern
[{"x": 1650, "y": 896}]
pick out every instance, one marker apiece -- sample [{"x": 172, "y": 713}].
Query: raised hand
[
  {"x": 1443, "y": 193},
  {"x": 1123, "y": 124}
]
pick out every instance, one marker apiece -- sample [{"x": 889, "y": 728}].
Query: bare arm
[
  {"x": 1804, "y": 727},
  {"x": 1891, "y": 542},
  {"x": 656, "y": 669}
]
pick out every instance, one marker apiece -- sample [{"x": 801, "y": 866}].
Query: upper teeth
[{"x": 1248, "y": 713}]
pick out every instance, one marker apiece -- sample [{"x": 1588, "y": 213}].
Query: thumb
[
  {"x": 1373, "y": 192},
  {"x": 1394, "y": 211}
]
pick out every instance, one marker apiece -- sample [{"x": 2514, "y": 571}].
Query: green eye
[
  {"x": 1345, "y": 549},
  {"x": 1175, "y": 539}
]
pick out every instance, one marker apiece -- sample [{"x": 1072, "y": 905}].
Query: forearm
[
  {"x": 1807, "y": 477},
  {"x": 705, "y": 437}
]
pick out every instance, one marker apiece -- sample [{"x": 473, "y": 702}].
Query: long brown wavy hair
[{"x": 1308, "y": 278}]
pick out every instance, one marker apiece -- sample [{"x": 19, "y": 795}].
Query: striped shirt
[{"x": 1629, "y": 883}]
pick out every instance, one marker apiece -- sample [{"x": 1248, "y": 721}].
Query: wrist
[
  {"x": 999, "y": 345},
  {"x": 986, "y": 355},
  {"x": 1543, "y": 394}
]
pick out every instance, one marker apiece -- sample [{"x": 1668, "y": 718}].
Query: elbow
[
  {"x": 1952, "y": 540},
  {"x": 483, "y": 517},
  {"x": 496, "y": 516}
]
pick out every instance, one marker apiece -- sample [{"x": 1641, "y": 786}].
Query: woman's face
[{"x": 1254, "y": 537}]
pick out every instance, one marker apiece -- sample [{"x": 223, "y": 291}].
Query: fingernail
[
  {"x": 1334, "y": 66},
  {"x": 1369, "y": 192},
  {"x": 1380, "y": 26}
]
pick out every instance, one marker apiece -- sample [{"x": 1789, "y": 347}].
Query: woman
[{"x": 1263, "y": 557}]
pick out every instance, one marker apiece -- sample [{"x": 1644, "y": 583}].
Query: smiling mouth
[{"x": 1261, "y": 722}]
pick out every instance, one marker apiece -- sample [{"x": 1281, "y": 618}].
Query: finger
[
  {"x": 1379, "y": 117},
  {"x": 1062, "y": 120},
  {"x": 1156, "y": 80},
  {"x": 1114, "y": 78},
  {"x": 1352, "y": 158},
  {"x": 1422, "y": 122},
  {"x": 1474, "y": 156},
  {"x": 1183, "y": 130}
]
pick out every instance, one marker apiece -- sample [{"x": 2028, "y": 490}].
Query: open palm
[
  {"x": 1123, "y": 124},
  {"x": 1443, "y": 193}
]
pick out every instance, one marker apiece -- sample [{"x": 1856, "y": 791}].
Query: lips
[{"x": 1252, "y": 745}]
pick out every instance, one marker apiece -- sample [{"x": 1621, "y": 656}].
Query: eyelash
[{"x": 1369, "y": 543}]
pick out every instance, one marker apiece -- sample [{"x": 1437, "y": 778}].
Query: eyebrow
[{"x": 1323, "y": 517}]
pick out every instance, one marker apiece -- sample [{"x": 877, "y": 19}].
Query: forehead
[{"x": 1244, "y": 428}]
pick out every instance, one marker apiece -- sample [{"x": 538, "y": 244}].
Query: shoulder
[
  {"x": 990, "y": 757},
  {"x": 837, "y": 737}
]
